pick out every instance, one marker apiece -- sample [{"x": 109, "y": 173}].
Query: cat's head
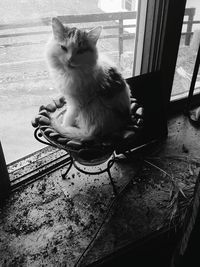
[{"x": 74, "y": 48}]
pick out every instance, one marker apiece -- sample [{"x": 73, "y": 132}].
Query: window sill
[
  {"x": 178, "y": 104},
  {"x": 58, "y": 216},
  {"x": 36, "y": 165}
]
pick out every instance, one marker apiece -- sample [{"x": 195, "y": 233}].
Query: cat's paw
[
  {"x": 42, "y": 118},
  {"x": 60, "y": 102}
]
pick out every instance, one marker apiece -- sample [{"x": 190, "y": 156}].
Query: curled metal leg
[
  {"x": 38, "y": 137},
  {"x": 65, "y": 172},
  {"x": 109, "y": 165}
]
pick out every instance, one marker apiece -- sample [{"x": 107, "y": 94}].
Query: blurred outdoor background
[{"x": 24, "y": 79}]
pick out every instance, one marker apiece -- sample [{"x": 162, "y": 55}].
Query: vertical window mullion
[
  {"x": 139, "y": 36},
  {"x": 4, "y": 177},
  {"x": 148, "y": 38},
  {"x": 171, "y": 40},
  {"x": 149, "y": 32}
]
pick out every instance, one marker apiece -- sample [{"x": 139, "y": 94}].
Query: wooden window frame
[
  {"x": 158, "y": 51},
  {"x": 4, "y": 177},
  {"x": 160, "y": 44}
]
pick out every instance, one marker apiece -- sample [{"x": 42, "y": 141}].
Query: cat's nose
[
  {"x": 70, "y": 58},
  {"x": 70, "y": 63}
]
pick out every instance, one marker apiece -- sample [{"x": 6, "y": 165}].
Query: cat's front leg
[{"x": 69, "y": 118}]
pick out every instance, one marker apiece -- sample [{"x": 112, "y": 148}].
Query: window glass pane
[
  {"x": 128, "y": 4},
  {"x": 188, "y": 48},
  {"x": 24, "y": 79}
]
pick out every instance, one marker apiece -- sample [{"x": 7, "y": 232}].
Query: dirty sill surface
[{"x": 51, "y": 222}]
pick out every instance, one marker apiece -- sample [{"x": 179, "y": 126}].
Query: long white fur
[{"x": 77, "y": 76}]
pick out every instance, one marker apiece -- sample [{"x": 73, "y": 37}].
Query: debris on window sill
[{"x": 51, "y": 221}]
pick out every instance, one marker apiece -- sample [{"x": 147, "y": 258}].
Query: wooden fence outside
[{"x": 114, "y": 21}]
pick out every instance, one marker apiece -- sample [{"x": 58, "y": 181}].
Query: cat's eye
[{"x": 64, "y": 48}]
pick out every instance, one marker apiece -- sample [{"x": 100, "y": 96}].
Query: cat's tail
[{"x": 74, "y": 133}]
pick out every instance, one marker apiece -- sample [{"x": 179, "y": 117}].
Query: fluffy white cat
[{"x": 97, "y": 96}]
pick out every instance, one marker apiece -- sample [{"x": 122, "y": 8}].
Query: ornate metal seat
[{"x": 88, "y": 153}]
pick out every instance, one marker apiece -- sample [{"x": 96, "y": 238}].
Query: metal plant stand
[
  {"x": 80, "y": 152},
  {"x": 109, "y": 164},
  {"x": 71, "y": 161}
]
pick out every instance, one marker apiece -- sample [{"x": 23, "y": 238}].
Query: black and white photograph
[{"x": 99, "y": 133}]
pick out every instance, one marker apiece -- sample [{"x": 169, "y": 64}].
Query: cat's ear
[
  {"x": 94, "y": 34},
  {"x": 58, "y": 29}
]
